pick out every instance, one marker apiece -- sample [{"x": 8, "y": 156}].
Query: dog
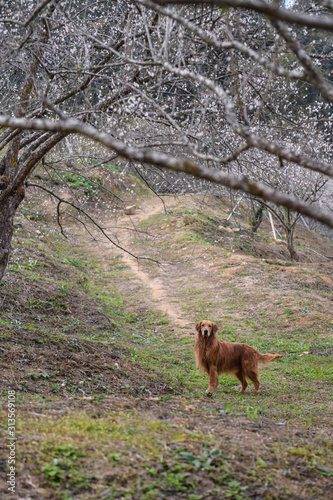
[{"x": 215, "y": 357}]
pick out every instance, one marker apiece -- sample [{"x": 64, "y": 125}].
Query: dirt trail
[
  {"x": 124, "y": 230},
  {"x": 159, "y": 292}
]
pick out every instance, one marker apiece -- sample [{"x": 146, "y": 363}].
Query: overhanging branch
[
  {"x": 91, "y": 219},
  {"x": 156, "y": 158},
  {"x": 270, "y": 9}
]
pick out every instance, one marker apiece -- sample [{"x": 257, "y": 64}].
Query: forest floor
[{"x": 97, "y": 345}]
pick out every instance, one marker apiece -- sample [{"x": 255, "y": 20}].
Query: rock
[{"x": 130, "y": 210}]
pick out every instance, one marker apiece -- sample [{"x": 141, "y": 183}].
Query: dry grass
[{"x": 109, "y": 403}]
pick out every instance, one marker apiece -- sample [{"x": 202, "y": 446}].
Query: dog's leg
[
  {"x": 255, "y": 379},
  {"x": 213, "y": 379},
  {"x": 243, "y": 381}
]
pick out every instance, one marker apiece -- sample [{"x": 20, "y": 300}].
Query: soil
[
  {"x": 158, "y": 290},
  {"x": 65, "y": 369}
]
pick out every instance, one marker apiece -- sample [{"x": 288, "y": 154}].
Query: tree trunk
[
  {"x": 8, "y": 207},
  {"x": 257, "y": 218},
  {"x": 290, "y": 243}
]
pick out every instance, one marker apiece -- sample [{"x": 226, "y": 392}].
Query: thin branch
[
  {"x": 242, "y": 183},
  {"x": 251, "y": 138},
  {"x": 314, "y": 76},
  {"x": 209, "y": 38},
  {"x": 97, "y": 184},
  {"x": 270, "y": 9},
  {"x": 150, "y": 187},
  {"x": 91, "y": 219},
  {"x": 41, "y": 6}
]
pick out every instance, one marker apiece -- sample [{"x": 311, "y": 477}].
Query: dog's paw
[{"x": 209, "y": 394}]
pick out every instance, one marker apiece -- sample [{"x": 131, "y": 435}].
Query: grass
[
  {"x": 171, "y": 356},
  {"x": 109, "y": 402},
  {"x": 170, "y": 457}
]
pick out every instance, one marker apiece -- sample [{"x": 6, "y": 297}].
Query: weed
[
  {"x": 63, "y": 468},
  {"x": 252, "y": 413},
  {"x": 174, "y": 481},
  {"x": 114, "y": 457},
  {"x": 207, "y": 460},
  {"x": 90, "y": 187},
  {"x": 234, "y": 489},
  {"x": 31, "y": 264},
  {"x": 73, "y": 262},
  {"x": 54, "y": 472},
  {"x": 134, "y": 355}
]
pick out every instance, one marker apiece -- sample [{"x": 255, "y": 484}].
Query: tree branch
[
  {"x": 91, "y": 219},
  {"x": 242, "y": 183},
  {"x": 270, "y": 9}
]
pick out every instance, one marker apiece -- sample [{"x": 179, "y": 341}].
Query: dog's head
[{"x": 206, "y": 328}]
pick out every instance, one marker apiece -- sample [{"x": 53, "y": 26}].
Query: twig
[
  {"x": 62, "y": 200},
  {"x": 151, "y": 188}
]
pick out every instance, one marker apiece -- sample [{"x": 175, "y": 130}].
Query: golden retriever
[{"x": 216, "y": 357}]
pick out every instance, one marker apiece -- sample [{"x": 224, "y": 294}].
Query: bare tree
[
  {"x": 202, "y": 88},
  {"x": 306, "y": 185}
]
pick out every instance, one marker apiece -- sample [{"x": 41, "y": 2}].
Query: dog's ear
[
  {"x": 215, "y": 328},
  {"x": 198, "y": 327}
]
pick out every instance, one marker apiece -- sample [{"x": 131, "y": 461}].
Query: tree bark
[
  {"x": 13, "y": 169},
  {"x": 257, "y": 218},
  {"x": 290, "y": 244},
  {"x": 8, "y": 209}
]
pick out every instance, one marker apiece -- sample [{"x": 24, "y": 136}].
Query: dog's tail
[{"x": 268, "y": 358}]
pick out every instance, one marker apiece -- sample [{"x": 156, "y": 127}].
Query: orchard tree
[
  {"x": 219, "y": 90},
  {"x": 306, "y": 185}
]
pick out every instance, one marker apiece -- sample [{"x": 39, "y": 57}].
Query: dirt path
[
  {"x": 77, "y": 384},
  {"x": 158, "y": 291}
]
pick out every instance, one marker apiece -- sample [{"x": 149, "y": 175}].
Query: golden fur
[{"x": 216, "y": 357}]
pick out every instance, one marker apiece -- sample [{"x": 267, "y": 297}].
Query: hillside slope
[{"x": 98, "y": 347}]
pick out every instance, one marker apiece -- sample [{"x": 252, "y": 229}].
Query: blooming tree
[{"x": 224, "y": 91}]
